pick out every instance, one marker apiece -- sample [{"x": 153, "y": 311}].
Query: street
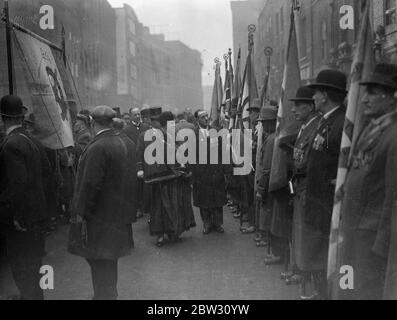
[{"x": 213, "y": 267}]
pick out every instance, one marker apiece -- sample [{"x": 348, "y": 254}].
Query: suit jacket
[
  {"x": 24, "y": 174},
  {"x": 101, "y": 187},
  {"x": 133, "y": 131},
  {"x": 322, "y": 168}
]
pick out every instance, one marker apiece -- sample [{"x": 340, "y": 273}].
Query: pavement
[{"x": 202, "y": 267}]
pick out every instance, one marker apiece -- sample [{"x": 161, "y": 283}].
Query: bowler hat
[
  {"x": 12, "y": 106},
  {"x": 145, "y": 113},
  {"x": 330, "y": 79},
  {"x": 304, "y": 94},
  {"x": 155, "y": 112},
  {"x": 384, "y": 75},
  {"x": 268, "y": 113},
  {"x": 103, "y": 113},
  {"x": 166, "y": 117},
  {"x": 256, "y": 105}
]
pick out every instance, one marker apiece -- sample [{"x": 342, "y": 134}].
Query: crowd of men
[{"x": 105, "y": 183}]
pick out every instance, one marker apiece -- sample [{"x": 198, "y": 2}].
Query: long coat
[
  {"x": 24, "y": 172},
  {"x": 101, "y": 188},
  {"x": 209, "y": 184},
  {"x": 133, "y": 131},
  {"x": 322, "y": 168},
  {"x": 369, "y": 217}
]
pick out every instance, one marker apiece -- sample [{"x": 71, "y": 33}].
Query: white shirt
[
  {"x": 328, "y": 114},
  {"x": 304, "y": 126},
  {"x": 104, "y": 130},
  {"x": 12, "y": 128}
]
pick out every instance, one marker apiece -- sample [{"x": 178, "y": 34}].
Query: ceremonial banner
[
  {"x": 47, "y": 105},
  {"x": 362, "y": 67},
  {"x": 217, "y": 97},
  {"x": 287, "y": 124}
]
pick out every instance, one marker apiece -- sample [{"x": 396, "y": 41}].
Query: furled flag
[
  {"x": 250, "y": 88},
  {"x": 236, "y": 92},
  {"x": 287, "y": 125},
  {"x": 363, "y": 64},
  {"x": 217, "y": 97}
]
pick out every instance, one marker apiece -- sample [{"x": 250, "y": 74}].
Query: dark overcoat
[
  {"x": 133, "y": 130},
  {"x": 368, "y": 221},
  {"x": 24, "y": 170},
  {"x": 99, "y": 199},
  {"x": 209, "y": 184}
]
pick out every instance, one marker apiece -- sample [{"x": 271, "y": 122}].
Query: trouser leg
[
  {"x": 206, "y": 217},
  {"x": 104, "y": 279},
  {"x": 217, "y": 217},
  {"x": 24, "y": 252}
]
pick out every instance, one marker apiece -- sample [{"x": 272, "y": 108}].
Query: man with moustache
[{"x": 369, "y": 209}]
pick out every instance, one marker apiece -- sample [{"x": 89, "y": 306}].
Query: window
[
  {"x": 132, "y": 49},
  {"x": 324, "y": 45},
  {"x": 390, "y": 12}
]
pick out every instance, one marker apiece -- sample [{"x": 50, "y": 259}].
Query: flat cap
[{"x": 103, "y": 113}]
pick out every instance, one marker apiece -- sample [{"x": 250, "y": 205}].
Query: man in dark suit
[
  {"x": 24, "y": 168},
  {"x": 369, "y": 212},
  {"x": 322, "y": 167},
  {"x": 209, "y": 184},
  {"x": 101, "y": 229}
]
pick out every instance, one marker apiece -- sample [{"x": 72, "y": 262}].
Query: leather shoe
[
  {"x": 206, "y": 231},
  {"x": 220, "y": 230},
  {"x": 296, "y": 279},
  {"x": 273, "y": 260}
]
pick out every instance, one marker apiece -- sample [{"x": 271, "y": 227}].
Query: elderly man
[
  {"x": 305, "y": 112},
  {"x": 369, "y": 213},
  {"x": 322, "y": 167},
  {"x": 24, "y": 170},
  {"x": 101, "y": 230},
  {"x": 209, "y": 184}
]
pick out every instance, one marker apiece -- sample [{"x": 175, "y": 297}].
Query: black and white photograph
[{"x": 221, "y": 152}]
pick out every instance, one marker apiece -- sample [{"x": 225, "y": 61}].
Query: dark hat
[
  {"x": 155, "y": 112},
  {"x": 331, "y": 79},
  {"x": 103, "y": 113},
  {"x": 166, "y": 117},
  {"x": 268, "y": 113},
  {"x": 145, "y": 113},
  {"x": 384, "y": 75},
  {"x": 256, "y": 105},
  {"x": 12, "y": 106},
  {"x": 304, "y": 94}
]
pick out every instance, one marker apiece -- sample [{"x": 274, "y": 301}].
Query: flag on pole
[
  {"x": 286, "y": 121},
  {"x": 250, "y": 88},
  {"x": 217, "y": 97},
  {"x": 236, "y": 91},
  {"x": 363, "y": 65}
]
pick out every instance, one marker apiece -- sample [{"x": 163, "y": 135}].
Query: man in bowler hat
[
  {"x": 322, "y": 167},
  {"x": 369, "y": 215},
  {"x": 24, "y": 168}
]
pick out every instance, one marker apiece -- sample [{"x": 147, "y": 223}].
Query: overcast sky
[{"x": 205, "y": 25}]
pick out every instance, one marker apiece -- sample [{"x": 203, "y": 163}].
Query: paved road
[{"x": 225, "y": 267}]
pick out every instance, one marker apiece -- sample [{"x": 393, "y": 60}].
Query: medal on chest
[
  {"x": 321, "y": 140},
  {"x": 298, "y": 155}
]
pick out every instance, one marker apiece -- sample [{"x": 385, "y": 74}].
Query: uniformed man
[
  {"x": 24, "y": 170},
  {"x": 305, "y": 112},
  {"x": 101, "y": 229},
  {"x": 369, "y": 211},
  {"x": 322, "y": 167}
]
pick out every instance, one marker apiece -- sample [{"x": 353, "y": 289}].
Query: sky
[{"x": 204, "y": 25}]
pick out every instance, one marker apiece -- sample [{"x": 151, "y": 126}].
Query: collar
[
  {"x": 329, "y": 113},
  {"x": 12, "y": 128},
  {"x": 102, "y": 131},
  {"x": 136, "y": 124}
]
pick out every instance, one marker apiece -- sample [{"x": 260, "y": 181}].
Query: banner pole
[{"x": 9, "y": 49}]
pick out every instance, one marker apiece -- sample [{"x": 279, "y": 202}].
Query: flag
[
  {"x": 236, "y": 88},
  {"x": 43, "y": 92},
  {"x": 250, "y": 89},
  {"x": 286, "y": 121},
  {"x": 217, "y": 97},
  {"x": 363, "y": 65}
]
